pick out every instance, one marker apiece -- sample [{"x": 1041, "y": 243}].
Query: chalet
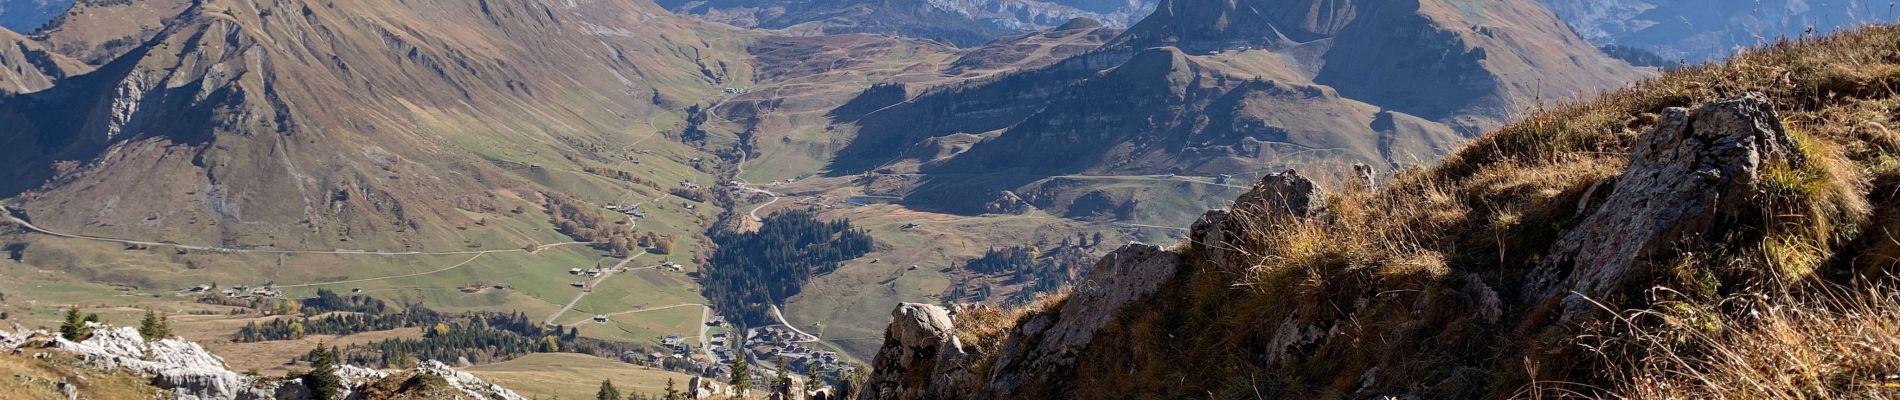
[
  {"x": 200, "y": 288},
  {"x": 600, "y": 318},
  {"x": 573, "y": 271},
  {"x": 579, "y": 284}
]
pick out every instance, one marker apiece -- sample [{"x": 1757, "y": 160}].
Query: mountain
[
  {"x": 961, "y": 22},
  {"x": 27, "y": 15},
  {"x": 1695, "y": 31},
  {"x": 303, "y": 125},
  {"x": 27, "y": 67},
  {"x": 1675, "y": 239},
  {"x": 99, "y": 31},
  {"x": 1209, "y": 87}
]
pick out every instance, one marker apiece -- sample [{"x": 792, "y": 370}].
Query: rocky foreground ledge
[{"x": 184, "y": 370}]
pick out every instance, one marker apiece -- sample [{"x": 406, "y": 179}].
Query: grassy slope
[
  {"x": 1385, "y": 268},
  {"x": 574, "y": 376}
]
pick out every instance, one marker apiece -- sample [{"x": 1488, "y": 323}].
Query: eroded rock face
[
  {"x": 1683, "y": 183},
  {"x": 1044, "y": 346},
  {"x": 921, "y": 357}
]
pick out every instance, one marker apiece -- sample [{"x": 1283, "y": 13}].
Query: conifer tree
[
  {"x": 607, "y": 391},
  {"x": 155, "y": 326},
  {"x": 672, "y": 393},
  {"x": 741, "y": 376},
  {"x": 322, "y": 380},
  {"x": 73, "y": 328}
]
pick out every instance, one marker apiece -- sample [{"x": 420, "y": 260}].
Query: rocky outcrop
[
  {"x": 189, "y": 372},
  {"x": 1685, "y": 181},
  {"x": 185, "y": 368},
  {"x": 921, "y": 357},
  {"x": 1044, "y": 346},
  {"x": 699, "y": 388},
  {"x": 1218, "y": 234}
]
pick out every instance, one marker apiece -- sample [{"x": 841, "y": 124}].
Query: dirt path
[
  {"x": 804, "y": 337},
  {"x": 609, "y": 273}
]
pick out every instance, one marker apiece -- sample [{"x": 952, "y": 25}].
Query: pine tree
[
  {"x": 155, "y": 326},
  {"x": 322, "y": 380},
  {"x": 74, "y": 328},
  {"x": 741, "y": 376},
  {"x": 812, "y": 383},
  {"x": 671, "y": 392},
  {"x": 784, "y": 386},
  {"x": 607, "y": 391}
]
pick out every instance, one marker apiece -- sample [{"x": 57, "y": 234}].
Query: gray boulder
[{"x": 1684, "y": 180}]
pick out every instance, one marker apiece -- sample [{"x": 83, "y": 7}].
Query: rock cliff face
[{"x": 188, "y": 372}]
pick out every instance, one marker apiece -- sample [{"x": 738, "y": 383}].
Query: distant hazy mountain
[
  {"x": 1206, "y": 87},
  {"x": 1701, "y": 30},
  {"x": 961, "y": 22},
  {"x": 27, "y": 15}
]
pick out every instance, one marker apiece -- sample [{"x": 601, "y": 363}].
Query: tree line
[
  {"x": 751, "y": 271},
  {"x": 475, "y": 337},
  {"x": 582, "y": 221}
]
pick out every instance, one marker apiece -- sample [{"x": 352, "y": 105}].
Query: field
[{"x": 574, "y": 376}]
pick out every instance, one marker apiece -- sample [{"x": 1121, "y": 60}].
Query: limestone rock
[
  {"x": 919, "y": 346},
  {"x": 1219, "y": 234},
  {"x": 190, "y": 372},
  {"x": 467, "y": 383},
  {"x": 1044, "y": 346},
  {"x": 1683, "y": 182},
  {"x": 185, "y": 368},
  {"x": 1285, "y": 193}
]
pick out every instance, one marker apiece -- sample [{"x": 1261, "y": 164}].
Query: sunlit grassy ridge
[{"x": 1416, "y": 287}]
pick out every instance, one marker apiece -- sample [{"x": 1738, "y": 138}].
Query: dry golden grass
[
  {"x": 1835, "y": 344},
  {"x": 1394, "y": 277},
  {"x": 29, "y": 377}
]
